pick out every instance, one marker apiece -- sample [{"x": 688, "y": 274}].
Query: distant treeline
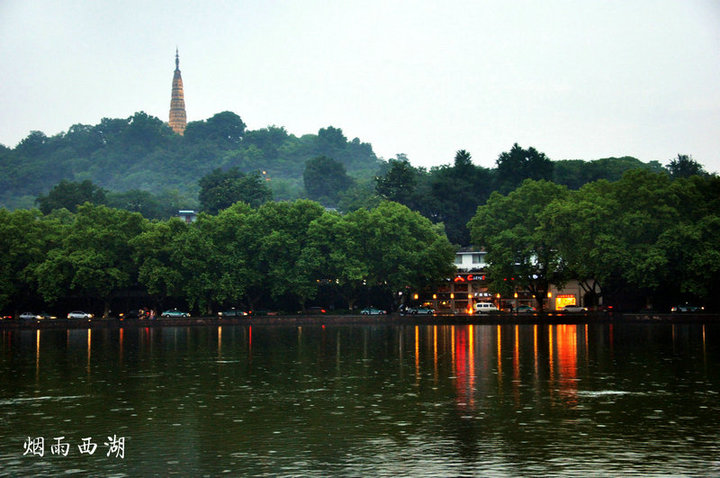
[
  {"x": 142, "y": 153},
  {"x": 646, "y": 240},
  {"x": 139, "y": 164},
  {"x": 281, "y": 256}
]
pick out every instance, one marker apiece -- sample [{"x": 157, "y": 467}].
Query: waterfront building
[{"x": 460, "y": 293}]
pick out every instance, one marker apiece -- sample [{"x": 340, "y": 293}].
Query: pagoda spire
[{"x": 178, "y": 117}]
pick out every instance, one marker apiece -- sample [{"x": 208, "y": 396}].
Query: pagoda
[{"x": 178, "y": 118}]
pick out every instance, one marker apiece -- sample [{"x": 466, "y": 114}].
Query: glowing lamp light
[
  {"x": 415, "y": 296},
  {"x": 452, "y": 296},
  {"x": 515, "y": 295},
  {"x": 549, "y": 295}
]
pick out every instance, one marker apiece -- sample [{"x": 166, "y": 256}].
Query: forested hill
[{"x": 142, "y": 152}]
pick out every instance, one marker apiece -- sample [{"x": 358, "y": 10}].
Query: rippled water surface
[{"x": 482, "y": 400}]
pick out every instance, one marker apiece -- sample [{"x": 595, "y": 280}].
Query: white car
[
  {"x": 29, "y": 316},
  {"x": 79, "y": 314},
  {"x": 483, "y": 307},
  {"x": 573, "y": 309}
]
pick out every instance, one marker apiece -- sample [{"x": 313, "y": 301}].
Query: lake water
[{"x": 395, "y": 400}]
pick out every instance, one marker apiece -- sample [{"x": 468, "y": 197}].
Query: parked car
[
  {"x": 134, "y": 314},
  {"x": 420, "y": 311},
  {"x": 79, "y": 314},
  {"x": 484, "y": 307},
  {"x": 175, "y": 314},
  {"x": 232, "y": 313},
  {"x": 525, "y": 309},
  {"x": 6, "y": 317},
  {"x": 687, "y": 308},
  {"x": 573, "y": 309},
  {"x": 29, "y": 316},
  {"x": 372, "y": 311}
]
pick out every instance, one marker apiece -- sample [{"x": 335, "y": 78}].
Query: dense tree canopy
[
  {"x": 325, "y": 180},
  {"x": 142, "y": 153},
  {"x": 644, "y": 241},
  {"x": 221, "y": 189},
  {"x": 684, "y": 166},
  {"x": 92, "y": 256},
  {"x": 277, "y": 255},
  {"x": 518, "y": 164},
  {"x": 70, "y": 195},
  {"x": 520, "y": 255}
]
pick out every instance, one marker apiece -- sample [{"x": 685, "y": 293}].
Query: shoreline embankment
[{"x": 390, "y": 319}]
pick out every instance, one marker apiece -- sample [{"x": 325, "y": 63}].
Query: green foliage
[
  {"x": 574, "y": 173},
  {"x": 25, "y": 242},
  {"x": 399, "y": 182},
  {"x": 93, "y": 256},
  {"x": 278, "y": 253},
  {"x": 361, "y": 195},
  {"x": 152, "y": 206},
  {"x": 645, "y": 235},
  {"x": 518, "y": 164},
  {"x": 684, "y": 166},
  {"x": 454, "y": 194},
  {"x": 157, "y": 254},
  {"x": 221, "y": 189},
  {"x": 518, "y": 250},
  {"x": 225, "y": 129},
  {"x": 70, "y": 195},
  {"x": 325, "y": 179},
  {"x": 142, "y": 153}
]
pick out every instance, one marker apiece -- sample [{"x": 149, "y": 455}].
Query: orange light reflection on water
[
  {"x": 435, "y": 354},
  {"x": 89, "y": 348},
  {"x": 567, "y": 361}
]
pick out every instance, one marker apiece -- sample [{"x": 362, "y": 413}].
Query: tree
[
  {"x": 275, "y": 237},
  {"x": 220, "y": 189},
  {"x": 325, "y": 179},
  {"x": 225, "y": 129},
  {"x": 574, "y": 173},
  {"x": 455, "y": 192},
  {"x": 401, "y": 248},
  {"x": 684, "y": 166},
  {"x": 162, "y": 206},
  {"x": 27, "y": 237},
  {"x": 332, "y": 256},
  {"x": 582, "y": 225},
  {"x": 518, "y": 164},
  {"x": 93, "y": 258},
  {"x": 70, "y": 195},
  {"x": 399, "y": 182},
  {"x": 145, "y": 131},
  {"x": 692, "y": 250},
  {"x": 519, "y": 253},
  {"x": 157, "y": 254},
  {"x": 361, "y": 195}
]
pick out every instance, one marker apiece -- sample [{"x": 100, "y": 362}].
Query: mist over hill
[
  {"x": 145, "y": 167},
  {"x": 142, "y": 152}
]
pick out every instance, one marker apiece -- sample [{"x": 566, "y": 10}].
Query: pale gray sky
[{"x": 575, "y": 79}]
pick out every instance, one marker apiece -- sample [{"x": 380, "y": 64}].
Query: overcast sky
[{"x": 574, "y": 79}]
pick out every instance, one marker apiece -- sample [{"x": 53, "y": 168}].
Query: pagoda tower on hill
[{"x": 178, "y": 118}]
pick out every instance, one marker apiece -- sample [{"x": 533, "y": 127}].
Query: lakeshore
[{"x": 357, "y": 319}]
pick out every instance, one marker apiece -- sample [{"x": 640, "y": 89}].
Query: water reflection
[{"x": 440, "y": 400}]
